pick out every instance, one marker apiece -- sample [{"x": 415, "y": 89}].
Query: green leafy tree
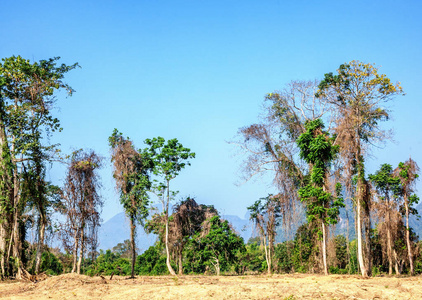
[
  {"x": 387, "y": 187},
  {"x": 317, "y": 150},
  {"x": 216, "y": 247},
  {"x": 358, "y": 92},
  {"x": 27, "y": 95},
  {"x": 266, "y": 214},
  {"x": 152, "y": 261},
  {"x": 131, "y": 173},
  {"x": 168, "y": 159},
  {"x": 283, "y": 255}
]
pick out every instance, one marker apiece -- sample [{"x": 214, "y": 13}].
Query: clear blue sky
[{"x": 199, "y": 70}]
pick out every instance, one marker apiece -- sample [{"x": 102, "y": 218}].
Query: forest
[{"x": 314, "y": 138}]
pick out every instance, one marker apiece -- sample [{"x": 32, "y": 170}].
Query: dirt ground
[{"x": 295, "y": 286}]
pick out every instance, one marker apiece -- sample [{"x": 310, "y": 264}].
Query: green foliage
[
  {"x": 284, "y": 256},
  {"x": 252, "y": 260},
  {"x": 152, "y": 262},
  {"x": 340, "y": 244},
  {"x": 303, "y": 248},
  {"x": 386, "y": 184},
  {"x": 50, "y": 264},
  {"x": 168, "y": 158},
  {"x": 317, "y": 150},
  {"x": 108, "y": 263},
  {"x": 217, "y": 249}
]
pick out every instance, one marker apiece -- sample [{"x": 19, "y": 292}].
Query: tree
[
  {"x": 266, "y": 213},
  {"x": 168, "y": 160},
  {"x": 270, "y": 146},
  {"x": 407, "y": 173},
  {"x": 387, "y": 187},
  {"x": 217, "y": 246},
  {"x": 131, "y": 172},
  {"x": 83, "y": 203},
  {"x": 26, "y": 100},
  {"x": 358, "y": 92},
  {"x": 317, "y": 150}
]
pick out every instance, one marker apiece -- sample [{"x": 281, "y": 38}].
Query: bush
[{"x": 50, "y": 264}]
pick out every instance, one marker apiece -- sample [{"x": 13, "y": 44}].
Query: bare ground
[{"x": 295, "y": 286}]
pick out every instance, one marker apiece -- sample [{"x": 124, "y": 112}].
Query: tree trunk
[
  {"x": 132, "y": 243},
  {"x": 409, "y": 246},
  {"x": 17, "y": 247},
  {"x": 169, "y": 267},
  {"x": 324, "y": 248},
  {"x": 180, "y": 261},
  {"x": 40, "y": 244},
  {"x": 367, "y": 219},
  {"x": 267, "y": 255},
  {"x": 217, "y": 266},
  {"x": 396, "y": 262},
  {"x": 359, "y": 205},
  {"x": 75, "y": 251},
  {"x": 359, "y": 236},
  {"x": 389, "y": 247},
  {"x": 81, "y": 253}
]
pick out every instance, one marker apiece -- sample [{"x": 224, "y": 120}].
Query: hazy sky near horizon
[{"x": 199, "y": 70}]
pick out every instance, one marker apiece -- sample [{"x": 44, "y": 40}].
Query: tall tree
[
  {"x": 359, "y": 92},
  {"x": 317, "y": 150},
  {"x": 26, "y": 100},
  {"x": 270, "y": 146},
  {"x": 168, "y": 160},
  {"x": 266, "y": 214},
  {"x": 131, "y": 172},
  {"x": 407, "y": 173},
  {"x": 83, "y": 202}
]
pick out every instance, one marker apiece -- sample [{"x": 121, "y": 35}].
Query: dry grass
[{"x": 297, "y": 286}]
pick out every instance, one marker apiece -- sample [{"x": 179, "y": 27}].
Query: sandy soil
[{"x": 296, "y": 286}]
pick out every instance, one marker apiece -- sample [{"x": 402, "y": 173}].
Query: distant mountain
[
  {"x": 117, "y": 229},
  {"x": 416, "y": 224},
  {"x": 243, "y": 227}
]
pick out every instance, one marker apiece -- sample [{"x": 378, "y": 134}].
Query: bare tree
[
  {"x": 82, "y": 204},
  {"x": 407, "y": 172}
]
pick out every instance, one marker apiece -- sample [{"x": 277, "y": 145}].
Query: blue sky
[{"x": 199, "y": 70}]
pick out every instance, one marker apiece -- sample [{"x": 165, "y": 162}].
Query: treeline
[{"x": 314, "y": 139}]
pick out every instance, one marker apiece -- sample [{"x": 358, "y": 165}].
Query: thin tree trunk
[
  {"x": 75, "y": 251},
  {"x": 132, "y": 242},
  {"x": 324, "y": 248},
  {"x": 169, "y": 267},
  {"x": 409, "y": 246},
  {"x": 81, "y": 253},
  {"x": 267, "y": 255},
  {"x": 389, "y": 247},
  {"x": 396, "y": 262},
  {"x": 40, "y": 244},
  {"x": 349, "y": 261},
  {"x": 4, "y": 194},
  {"x": 180, "y": 261}
]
